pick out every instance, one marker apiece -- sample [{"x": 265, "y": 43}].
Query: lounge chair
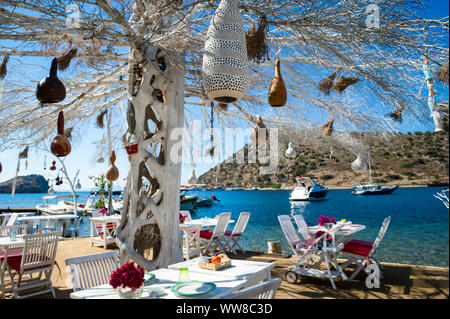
[
  {"x": 212, "y": 240},
  {"x": 232, "y": 238}
]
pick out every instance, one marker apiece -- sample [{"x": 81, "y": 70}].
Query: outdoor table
[
  {"x": 342, "y": 236},
  {"x": 5, "y": 244},
  {"x": 191, "y": 229},
  {"x": 160, "y": 287},
  {"x": 252, "y": 271},
  {"x": 109, "y": 233}
]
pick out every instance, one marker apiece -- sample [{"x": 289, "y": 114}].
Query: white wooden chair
[
  {"x": 18, "y": 229},
  {"x": 38, "y": 257},
  {"x": 309, "y": 251},
  {"x": 92, "y": 270},
  {"x": 12, "y": 219},
  {"x": 232, "y": 238},
  {"x": 186, "y": 215},
  {"x": 302, "y": 226},
  {"x": 361, "y": 254},
  {"x": 212, "y": 240},
  {"x": 74, "y": 226},
  {"x": 264, "y": 290}
]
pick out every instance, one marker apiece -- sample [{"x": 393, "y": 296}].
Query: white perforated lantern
[
  {"x": 225, "y": 62},
  {"x": 359, "y": 165}
]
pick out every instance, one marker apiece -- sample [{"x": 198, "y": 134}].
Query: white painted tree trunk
[{"x": 149, "y": 232}]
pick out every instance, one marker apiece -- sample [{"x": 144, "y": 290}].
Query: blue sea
[{"x": 418, "y": 232}]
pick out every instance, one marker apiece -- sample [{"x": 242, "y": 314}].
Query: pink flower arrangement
[
  {"x": 129, "y": 275},
  {"x": 325, "y": 220},
  {"x": 103, "y": 211}
]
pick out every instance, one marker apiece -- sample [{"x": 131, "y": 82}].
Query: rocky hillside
[
  {"x": 403, "y": 159},
  {"x": 26, "y": 184}
]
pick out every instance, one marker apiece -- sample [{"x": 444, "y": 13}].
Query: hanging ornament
[
  {"x": 132, "y": 146},
  {"x": 225, "y": 62},
  {"x": 100, "y": 160},
  {"x": 397, "y": 114},
  {"x": 442, "y": 75},
  {"x": 1, "y": 168},
  {"x": 78, "y": 185},
  {"x": 53, "y": 167},
  {"x": 326, "y": 84},
  {"x": 259, "y": 127},
  {"x": 257, "y": 49},
  {"x": 290, "y": 152},
  {"x": 359, "y": 165},
  {"x": 60, "y": 145},
  {"x": 64, "y": 61},
  {"x": 343, "y": 83},
  {"x": 327, "y": 128},
  {"x": 51, "y": 89},
  {"x": 45, "y": 162},
  {"x": 277, "y": 90},
  {"x": 51, "y": 190},
  {"x": 99, "y": 120},
  {"x": 192, "y": 179},
  {"x": 112, "y": 173},
  {"x": 3, "y": 69},
  {"x": 102, "y": 141}
]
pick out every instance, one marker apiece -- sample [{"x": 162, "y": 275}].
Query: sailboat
[{"x": 371, "y": 188}]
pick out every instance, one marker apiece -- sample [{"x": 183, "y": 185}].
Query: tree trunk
[{"x": 148, "y": 232}]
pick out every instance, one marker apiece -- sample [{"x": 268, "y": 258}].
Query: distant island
[
  {"x": 413, "y": 159},
  {"x": 26, "y": 184}
]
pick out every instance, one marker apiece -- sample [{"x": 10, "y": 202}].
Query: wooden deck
[{"x": 400, "y": 281}]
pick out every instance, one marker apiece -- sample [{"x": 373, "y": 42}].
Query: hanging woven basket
[
  {"x": 326, "y": 84},
  {"x": 397, "y": 114},
  {"x": 225, "y": 62},
  {"x": 327, "y": 128},
  {"x": 343, "y": 83},
  {"x": 257, "y": 49},
  {"x": 277, "y": 90},
  {"x": 3, "y": 69}
]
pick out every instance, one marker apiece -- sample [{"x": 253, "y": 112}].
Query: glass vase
[{"x": 130, "y": 293}]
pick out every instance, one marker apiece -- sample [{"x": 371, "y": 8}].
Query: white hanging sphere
[
  {"x": 100, "y": 160},
  {"x": 290, "y": 152},
  {"x": 225, "y": 61},
  {"x": 192, "y": 179},
  {"x": 358, "y": 165}
]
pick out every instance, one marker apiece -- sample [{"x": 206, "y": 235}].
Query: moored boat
[{"x": 308, "y": 189}]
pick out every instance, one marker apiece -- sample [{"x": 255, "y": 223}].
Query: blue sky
[{"x": 82, "y": 155}]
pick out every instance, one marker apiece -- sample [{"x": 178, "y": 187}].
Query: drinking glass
[
  {"x": 183, "y": 274},
  {"x": 12, "y": 235}
]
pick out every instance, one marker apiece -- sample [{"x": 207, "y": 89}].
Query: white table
[
  {"x": 164, "y": 280},
  {"x": 109, "y": 233},
  {"x": 5, "y": 244},
  {"x": 61, "y": 219},
  {"x": 191, "y": 229},
  {"x": 252, "y": 271}
]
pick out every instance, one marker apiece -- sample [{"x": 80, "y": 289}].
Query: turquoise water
[{"x": 418, "y": 232}]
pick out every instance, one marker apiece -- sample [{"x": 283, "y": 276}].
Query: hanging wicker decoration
[
  {"x": 326, "y": 84},
  {"x": 277, "y": 90},
  {"x": 397, "y": 114},
  {"x": 225, "y": 62},
  {"x": 257, "y": 49},
  {"x": 51, "y": 89},
  {"x": 64, "y": 61},
  {"x": 3, "y": 69},
  {"x": 343, "y": 83},
  {"x": 60, "y": 145},
  {"x": 99, "y": 119},
  {"x": 327, "y": 128},
  {"x": 442, "y": 75},
  {"x": 112, "y": 173}
]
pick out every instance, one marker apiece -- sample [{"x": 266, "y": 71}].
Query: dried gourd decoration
[
  {"x": 326, "y": 84},
  {"x": 327, "y": 128},
  {"x": 277, "y": 90},
  {"x": 259, "y": 127},
  {"x": 3, "y": 69},
  {"x": 64, "y": 61},
  {"x": 442, "y": 75},
  {"x": 397, "y": 114},
  {"x": 112, "y": 173},
  {"x": 343, "y": 83},
  {"x": 53, "y": 167},
  {"x": 60, "y": 145},
  {"x": 99, "y": 119},
  {"x": 257, "y": 49},
  {"x": 51, "y": 89}
]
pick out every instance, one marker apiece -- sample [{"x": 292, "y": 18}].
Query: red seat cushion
[
  {"x": 109, "y": 225},
  {"x": 361, "y": 243},
  {"x": 357, "y": 249},
  {"x": 228, "y": 233},
  {"x": 206, "y": 234},
  {"x": 14, "y": 261}
]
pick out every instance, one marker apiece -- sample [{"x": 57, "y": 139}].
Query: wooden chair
[
  {"x": 302, "y": 227},
  {"x": 361, "y": 253},
  {"x": 38, "y": 257},
  {"x": 75, "y": 226},
  {"x": 264, "y": 290},
  {"x": 232, "y": 237},
  {"x": 212, "y": 240},
  {"x": 92, "y": 270}
]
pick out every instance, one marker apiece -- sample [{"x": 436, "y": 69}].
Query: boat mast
[{"x": 370, "y": 171}]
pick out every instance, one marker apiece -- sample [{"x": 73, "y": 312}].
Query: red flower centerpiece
[{"x": 128, "y": 280}]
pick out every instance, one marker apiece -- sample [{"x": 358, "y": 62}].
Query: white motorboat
[
  {"x": 187, "y": 202},
  {"x": 308, "y": 189},
  {"x": 62, "y": 207}
]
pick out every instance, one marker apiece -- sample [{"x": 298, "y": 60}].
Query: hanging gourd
[
  {"x": 225, "y": 62},
  {"x": 290, "y": 152},
  {"x": 51, "y": 190},
  {"x": 259, "y": 127},
  {"x": 192, "y": 179},
  {"x": 327, "y": 128},
  {"x": 53, "y": 167},
  {"x": 51, "y": 89},
  {"x": 277, "y": 90},
  {"x": 358, "y": 165},
  {"x": 78, "y": 185},
  {"x": 60, "y": 145},
  {"x": 112, "y": 173}
]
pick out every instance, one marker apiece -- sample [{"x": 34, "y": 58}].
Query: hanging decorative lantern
[
  {"x": 290, "y": 152},
  {"x": 327, "y": 128},
  {"x": 225, "y": 61},
  {"x": 359, "y": 165},
  {"x": 51, "y": 89},
  {"x": 100, "y": 160},
  {"x": 60, "y": 145},
  {"x": 277, "y": 90},
  {"x": 78, "y": 185},
  {"x": 192, "y": 179},
  {"x": 112, "y": 173}
]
